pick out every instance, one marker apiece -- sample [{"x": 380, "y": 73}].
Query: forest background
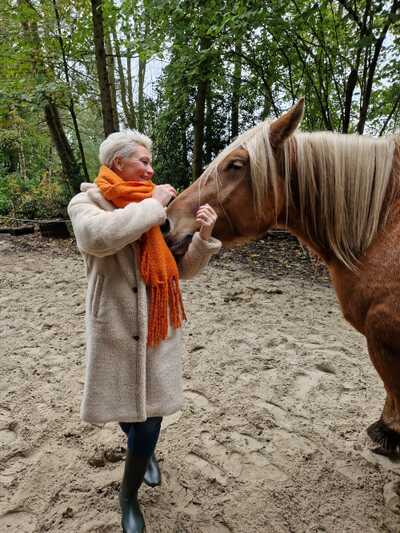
[{"x": 190, "y": 74}]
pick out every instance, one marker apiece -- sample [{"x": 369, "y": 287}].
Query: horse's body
[{"x": 269, "y": 177}]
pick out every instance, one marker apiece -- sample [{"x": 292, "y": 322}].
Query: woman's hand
[
  {"x": 206, "y": 217},
  {"x": 164, "y": 194}
]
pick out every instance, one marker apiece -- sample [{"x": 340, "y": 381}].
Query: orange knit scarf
[{"x": 157, "y": 264}]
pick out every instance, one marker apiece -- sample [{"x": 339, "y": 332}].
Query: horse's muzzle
[{"x": 165, "y": 228}]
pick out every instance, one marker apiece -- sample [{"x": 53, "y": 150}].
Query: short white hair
[{"x": 122, "y": 144}]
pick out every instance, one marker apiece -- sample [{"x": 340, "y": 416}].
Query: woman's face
[{"x": 136, "y": 167}]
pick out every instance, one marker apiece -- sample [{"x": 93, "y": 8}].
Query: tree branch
[
  {"x": 351, "y": 12},
  {"x": 389, "y": 117}
]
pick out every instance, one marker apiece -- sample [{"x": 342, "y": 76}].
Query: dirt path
[{"x": 279, "y": 392}]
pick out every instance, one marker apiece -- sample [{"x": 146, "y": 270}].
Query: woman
[{"x": 134, "y": 310}]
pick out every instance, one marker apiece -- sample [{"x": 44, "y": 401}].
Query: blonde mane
[{"x": 340, "y": 184}]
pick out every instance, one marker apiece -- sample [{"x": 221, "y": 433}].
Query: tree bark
[
  {"x": 353, "y": 76},
  {"x": 237, "y": 73},
  {"x": 141, "y": 31},
  {"x": 370, "y": 64},
  {"x": 71, "y": 105},
  {"x": 350, "y": 86},
  {"x": 390, "y": 115},
  {"x": 109, "y": 124},
  {"x": 208, "y": 127},
  {"x": 142, "y": 74},
  {"x": 132, "y": 110},
  {"x": 201, "y": 95},
  {"x": 127, "y": 106},
  {"x": 183, "y": 128},
  {"x": 22, "y": 160},
  {"x": 202, "y": 88},
  {"x": 64, "y": 150},
  {"x": 111, "y": 76},
  {"x": 366, "y": 97},
  {"x": 266, "y": 105}
]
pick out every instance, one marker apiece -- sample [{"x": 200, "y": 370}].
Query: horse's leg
[
  {"x": 386, "y": 359},
  {"x": 386, "y": 430}
]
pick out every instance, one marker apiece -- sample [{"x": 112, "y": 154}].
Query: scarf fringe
[{"x": 163, "y": 296}]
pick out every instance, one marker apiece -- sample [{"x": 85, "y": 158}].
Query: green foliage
[
  {"x": 32, "y": 199},
  {"x": 282, "y": 50}
]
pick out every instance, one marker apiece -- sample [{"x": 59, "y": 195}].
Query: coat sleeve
[
  {"x": 197, "y": 256},
  {"x": 100, "y": 233}
]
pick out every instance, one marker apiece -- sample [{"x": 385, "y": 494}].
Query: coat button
[
  {"x": 134, "y": 289},
  {"x": 136, "y": 337}
]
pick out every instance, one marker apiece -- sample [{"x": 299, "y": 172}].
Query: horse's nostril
[{"x": 165, "y": 227}]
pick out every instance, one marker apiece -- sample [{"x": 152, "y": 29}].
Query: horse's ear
[{"x": 286, "y": 124}]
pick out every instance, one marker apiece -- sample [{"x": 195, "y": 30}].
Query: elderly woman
[{"x": 134, "y": 310}]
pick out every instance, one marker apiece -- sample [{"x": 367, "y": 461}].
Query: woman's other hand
[
  {"x": 164, "y": 194},
  {"x": 206, "y": 217}
]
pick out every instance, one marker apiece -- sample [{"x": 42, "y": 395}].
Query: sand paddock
[{"x": 279, "y": 391}]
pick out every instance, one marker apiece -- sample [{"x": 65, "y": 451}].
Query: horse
[{"x": 339, "y": 195}]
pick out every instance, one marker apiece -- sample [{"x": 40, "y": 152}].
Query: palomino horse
[{"x": 340, "y": 195}]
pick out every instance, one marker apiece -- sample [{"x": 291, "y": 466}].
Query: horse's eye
[{"x": 235, "y": 165}]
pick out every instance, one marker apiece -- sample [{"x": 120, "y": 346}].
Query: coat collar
[{"x": 95, "y": 195}]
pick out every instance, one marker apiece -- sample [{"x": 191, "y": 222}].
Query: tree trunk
[
  {"x": 353, "y": 76},
  {"x": 142, "y": 30},
  {"x": 208, "y": 127},
  {"x": 183, "y": 127},
  {"x": 22, "y": 160},
  {"x": 111, "y": 75},
  {"x": 127, "y": 106},
  {"x": 202, "y": 89},
  {"x": 109, "y": 124},
  {"x": 350, "y": 86},
  {"x": 267, "y": 106},
  {"x": 71, "y": 105},
  {"x": 142, "y": 74},
  {"x": 69, "y": 164},
  {"x": 12, "y": 155},
  {"x": 132, "y": 110},
  {"x": 367, "y": 89},
  {"x": 390, "y": 115},
  {"x": 237, "y": 72},
  {"x": 64, "y": 150}
]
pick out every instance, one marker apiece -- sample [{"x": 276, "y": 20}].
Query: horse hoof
[
  {"x": 388, "y": 439},
  {"x": 381, "y": 451}
]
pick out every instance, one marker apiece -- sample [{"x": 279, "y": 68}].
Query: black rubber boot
[
  {"x": 132, "y": 518},
  {"x": 152, "y": 476}
]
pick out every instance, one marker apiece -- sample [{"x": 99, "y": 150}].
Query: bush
[{"x": 33, "y": 199}]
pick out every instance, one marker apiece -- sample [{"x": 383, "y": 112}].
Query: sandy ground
[{"x": 279, "y": 392}]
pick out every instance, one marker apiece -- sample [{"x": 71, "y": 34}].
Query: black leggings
[{"x": 142, "y": 436}]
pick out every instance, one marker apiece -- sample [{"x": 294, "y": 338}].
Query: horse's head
[{"x": 246, "y": 202}]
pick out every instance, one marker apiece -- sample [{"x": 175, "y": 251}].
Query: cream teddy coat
[{"x": 125, "y": 380}]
